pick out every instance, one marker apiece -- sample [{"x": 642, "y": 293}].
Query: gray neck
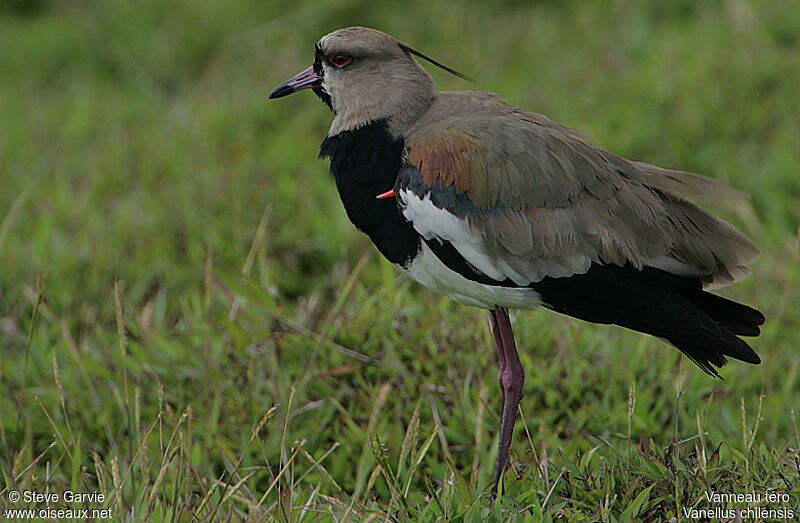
[{"x": 399, "y": 118}]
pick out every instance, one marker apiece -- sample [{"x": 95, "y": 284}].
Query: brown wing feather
[{"x": 543, "y": 196}]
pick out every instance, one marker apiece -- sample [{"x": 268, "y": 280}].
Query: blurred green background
[{"x": 175, "y": 262}]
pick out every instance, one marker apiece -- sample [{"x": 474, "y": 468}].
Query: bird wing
[{"x": 522, "y": 198}]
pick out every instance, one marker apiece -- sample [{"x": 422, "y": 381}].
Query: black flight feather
[{"x": 701, "y": 325}]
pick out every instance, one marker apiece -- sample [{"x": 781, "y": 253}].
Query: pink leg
[{"x": 511, "y": 378}]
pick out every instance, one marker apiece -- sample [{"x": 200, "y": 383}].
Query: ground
[{"x": 190, "y": 326}]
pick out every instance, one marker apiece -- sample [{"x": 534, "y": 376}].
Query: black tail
[
  {"x": 703, "y": 338},
  {"x": 701, "y": 325},
  {"x": 739, "y": 318}
]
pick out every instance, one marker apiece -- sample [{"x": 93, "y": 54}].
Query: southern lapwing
[{"x": 501, "y": 208}]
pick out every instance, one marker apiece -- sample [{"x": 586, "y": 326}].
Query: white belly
[{"x": 428, "y": 270}]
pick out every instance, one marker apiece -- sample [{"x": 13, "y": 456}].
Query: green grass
[{"x": 190, "y": 325}]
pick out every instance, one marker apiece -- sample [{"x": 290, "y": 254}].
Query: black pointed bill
[{"x": 305, "y": 80}]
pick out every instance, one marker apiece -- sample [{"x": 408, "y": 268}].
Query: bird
[{"x": 501, "y": 208}]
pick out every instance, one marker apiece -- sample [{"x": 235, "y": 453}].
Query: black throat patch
[
  {"x": 318, "y": 89},
  {"x": 365, "y": 163}
]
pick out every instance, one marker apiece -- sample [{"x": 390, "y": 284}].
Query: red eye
[{"x": 339, "y": 60}]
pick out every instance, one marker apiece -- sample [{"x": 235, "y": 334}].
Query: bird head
[{"x": 365, "y": 75}]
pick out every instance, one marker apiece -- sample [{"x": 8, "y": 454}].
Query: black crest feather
[{"x": 410, "y": 50}]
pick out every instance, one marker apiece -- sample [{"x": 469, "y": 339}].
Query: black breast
[{"x": 364, "y": 163}]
